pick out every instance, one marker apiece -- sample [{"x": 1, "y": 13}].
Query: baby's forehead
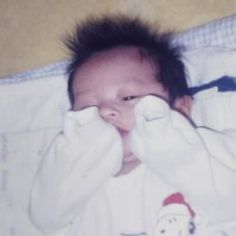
[
  {"x": 113, "y": 66},
  {"x": 119, "y": 55}
]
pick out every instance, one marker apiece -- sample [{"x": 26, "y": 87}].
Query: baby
[{"x": 130, "y": 161}]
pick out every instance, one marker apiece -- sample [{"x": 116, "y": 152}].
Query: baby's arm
[
  {"x": 189, "y": 159},
  {"x": 77, "y": 164}
]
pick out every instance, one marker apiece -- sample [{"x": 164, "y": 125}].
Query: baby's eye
[
  {"x": 84, "y": 107},
  {"x": 129, "y": 98}
]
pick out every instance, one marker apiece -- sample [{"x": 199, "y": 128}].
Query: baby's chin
[
  {"x": 129, "y": 157},
  {"x": 130, "y": 162}
]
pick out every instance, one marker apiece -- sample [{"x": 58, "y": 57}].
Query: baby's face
[{"x": 114, "y": 81}]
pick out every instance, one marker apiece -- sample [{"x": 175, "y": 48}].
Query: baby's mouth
[
  {"x": 128, "y": 155},
  {"x": 130, "y": 162},
  {"x": 129, "y": 159},
  {"x": 123, "y": 132}
]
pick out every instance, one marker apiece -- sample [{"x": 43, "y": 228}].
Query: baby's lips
[
  {"x": 152, "y": 107},
  {"x": 123, "y": 132}
]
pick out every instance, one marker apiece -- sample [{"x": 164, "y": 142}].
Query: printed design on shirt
[{"x": 175, "y": 217}]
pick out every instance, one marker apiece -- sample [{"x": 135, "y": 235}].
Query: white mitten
[
  {"x": 168, "y": 143},
  {"x": 76, "y": 166},
  {"x": 90, "y": 148},
  {"x": 161, "y": 132}
]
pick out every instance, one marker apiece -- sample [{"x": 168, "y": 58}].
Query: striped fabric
[{"x": 220, "y": 33}]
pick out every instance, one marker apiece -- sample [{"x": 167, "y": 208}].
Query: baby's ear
[{"x": 184, "y": 105}]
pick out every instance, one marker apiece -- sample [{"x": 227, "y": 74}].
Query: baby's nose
[{"x": 109, "y": 112}]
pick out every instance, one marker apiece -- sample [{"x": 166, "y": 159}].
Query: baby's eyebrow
[
  {"x": 134, "y": 81},
  {"x": 82, "y": 92}
]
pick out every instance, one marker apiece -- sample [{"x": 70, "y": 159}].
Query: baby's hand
[
  {"x": 78, "y": 163},
  {"x": 160, "y": 132},
  {"x": 95, "y": 143}
]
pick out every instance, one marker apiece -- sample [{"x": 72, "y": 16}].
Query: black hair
[{"x": 100, "y": 34}]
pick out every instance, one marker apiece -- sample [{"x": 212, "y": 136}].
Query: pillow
[
  {"x": 33, "y": 104},
  {"x": 207, "y": 64},
  {"x": 220, "y": 33},
  {"x": 212, "y": 78}
]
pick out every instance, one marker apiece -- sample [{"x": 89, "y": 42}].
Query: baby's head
[
  {"x": 115, "y": 62},
  {"x": 103, "y": 34}
]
